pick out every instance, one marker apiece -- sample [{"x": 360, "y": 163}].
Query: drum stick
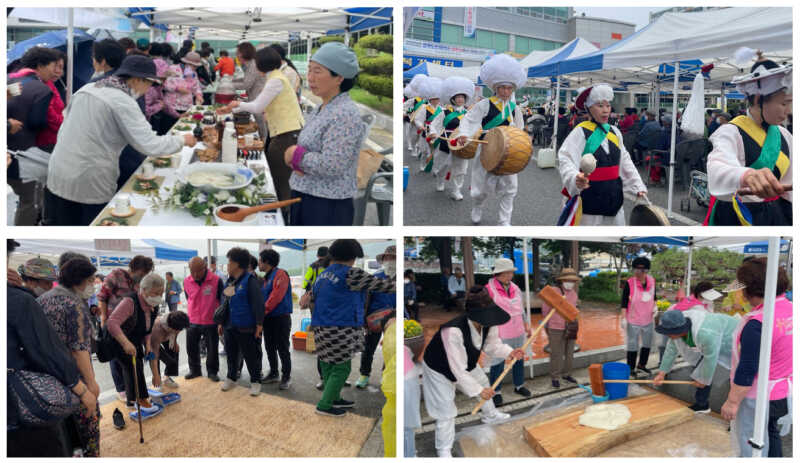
[
  {"x": 475, "y": 140},
  {"x": 747, "y": 191}
]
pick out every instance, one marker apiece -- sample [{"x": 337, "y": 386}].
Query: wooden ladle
[{"x": 243, "y": 212}]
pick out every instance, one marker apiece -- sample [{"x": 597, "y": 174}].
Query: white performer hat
[
  {"x": 503, "y": 70},
  {"x": 415, "y": 83},
  {"x": 593, "y": 94},
  {"x": 457, "y": 85},
  {"x": 765, "y": 77},
  {"x": 430, "y": 88},
  {"x": 408, "y": 91}
]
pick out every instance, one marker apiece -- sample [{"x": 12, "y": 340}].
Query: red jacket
[
  {"x": 225, "y": 66},
  {"x": 627, "y": 123},
  {"x": 55, "y": 112}
]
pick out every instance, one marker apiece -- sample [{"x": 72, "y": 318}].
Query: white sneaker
[
  {"x": 498, "y": 417},
  {"x": 440, "y": 186},
  {"x": 444, "y": 453},
  {"x": 476, "y": 216},
  {"x": 456, "y": 195},
  {"x": 255, "y": 389},
  {"x": 169, "y": 382},
  {"x": 228, "y": 384}
]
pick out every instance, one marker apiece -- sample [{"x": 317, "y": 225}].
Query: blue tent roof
[
  {"x": 421, "y": 68},
  {"x": 169, "y": 252},
  {"x": 360, "y": 23},
  {"x": 296, "y": 244},
  {"x": 588, "y": 62},
  {"x": 145, "y": 19}
]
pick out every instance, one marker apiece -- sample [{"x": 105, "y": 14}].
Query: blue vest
[
  {"x": 285, "y": 306},
  {"x": 381, "y": 300},
  {"x": 334, "y": 303},
  {"x": 241, "y": 313}
]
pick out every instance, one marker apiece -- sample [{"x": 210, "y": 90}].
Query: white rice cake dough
[{"x": 605, "y": 416}]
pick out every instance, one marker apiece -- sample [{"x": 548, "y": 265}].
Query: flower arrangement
[
  {"x": 411, "y": 328},
  {"x": 663, "y": 304},
  {"x": 200, "y": 203}
]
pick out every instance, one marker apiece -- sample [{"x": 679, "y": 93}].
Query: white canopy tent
[
  {"x": 773, "y": 255},
  {"x": 275, "y": 24},
  {"x": 712, "y": 35}
]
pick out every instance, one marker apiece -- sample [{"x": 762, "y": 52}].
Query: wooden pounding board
[{"x": 564, "y": 437}]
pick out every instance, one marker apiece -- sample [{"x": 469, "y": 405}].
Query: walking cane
[{"x": 138, "y": 405}]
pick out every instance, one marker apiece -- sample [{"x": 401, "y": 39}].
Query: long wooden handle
[
  {"x": 271, "y": 206},
  {"x": 510, "y": 365},
  {"x": 646, "y": 381}
]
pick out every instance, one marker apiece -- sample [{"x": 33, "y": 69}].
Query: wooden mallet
[
  {"x": 597, "y": 382},
  {"x": 559, "y": 304}
]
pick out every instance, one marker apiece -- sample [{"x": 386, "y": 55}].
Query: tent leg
[
  {"x": 762, "y": 391},
  {"x": 555, "y": 113},
  {"x": 672, "y": 138},
  {"x": 70, "y": 52},
  {"x": 527, "y": 291}
]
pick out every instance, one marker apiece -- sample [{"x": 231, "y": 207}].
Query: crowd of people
[
  {"x": 443, "y": 116},
  {"x": 494, "y": 323},
  {"x": 63, "y": 316},
  {"x": 137, "y": 93}
]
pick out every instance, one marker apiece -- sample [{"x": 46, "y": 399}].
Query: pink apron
[
  {"x": 780, "y": 369},
  {"x": 511, "y": 302},
  {"x": 642, "y": 302}
]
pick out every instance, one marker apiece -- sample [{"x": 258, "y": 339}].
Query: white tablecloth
[{"x": 182, "y": 217}]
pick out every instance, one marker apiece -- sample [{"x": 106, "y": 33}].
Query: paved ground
[
  {"x": 538, "y": 201},
  {"x": 368, "y": 401}
]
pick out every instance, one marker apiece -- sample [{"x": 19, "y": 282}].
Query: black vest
[
  {"x": 493, "y": 112},
  {"x": 752, "y": 151},
  {"x": 436, "y": 357},
  {"x": 603, "y": 197},
  {"x": 134, "y": 327},
  {"x": 452, "y": 125}
]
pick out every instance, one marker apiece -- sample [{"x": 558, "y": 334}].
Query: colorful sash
[
  {"x": 771, "y": 157},
  {"x": 502, "y": 115},
  {"x": 573, "y": 209}
]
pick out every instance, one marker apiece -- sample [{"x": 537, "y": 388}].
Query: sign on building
[{"x": 470, "y": 21}]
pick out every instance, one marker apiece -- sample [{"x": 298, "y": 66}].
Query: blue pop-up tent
[{"x": 82, "y": 70}]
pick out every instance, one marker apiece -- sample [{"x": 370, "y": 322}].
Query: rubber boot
[
  {"x": 632, "y": 361},
  {"x": 643, "y": 358}
]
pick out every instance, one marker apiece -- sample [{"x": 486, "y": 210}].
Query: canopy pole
[
  {"x": 672, "y": 137},
  {"x": 308, "y": 53},
  {"x": 555, "y": 113},
  {"x": 347, "y": 38},
  {"x": 527, "y": 291},
  {"x": 762, "y": 391},
  {"x": 70, "y": 51},
  {"x": 152, "y": 34},
  {"x": 689, "y": 271}
]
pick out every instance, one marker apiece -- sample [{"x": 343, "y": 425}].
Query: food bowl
[
  {"x": 210, "y": 176},
  {"x": 251, "y": 219}
]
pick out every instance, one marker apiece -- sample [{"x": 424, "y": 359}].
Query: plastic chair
[
  {"x": 380, "y": 190},
  {"x": 655, "y": 157}
]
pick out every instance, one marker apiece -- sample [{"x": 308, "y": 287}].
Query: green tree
[{"x": 715, "y": 265}]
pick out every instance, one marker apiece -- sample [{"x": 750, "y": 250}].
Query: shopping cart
[{"x": 698, "y": 191}]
